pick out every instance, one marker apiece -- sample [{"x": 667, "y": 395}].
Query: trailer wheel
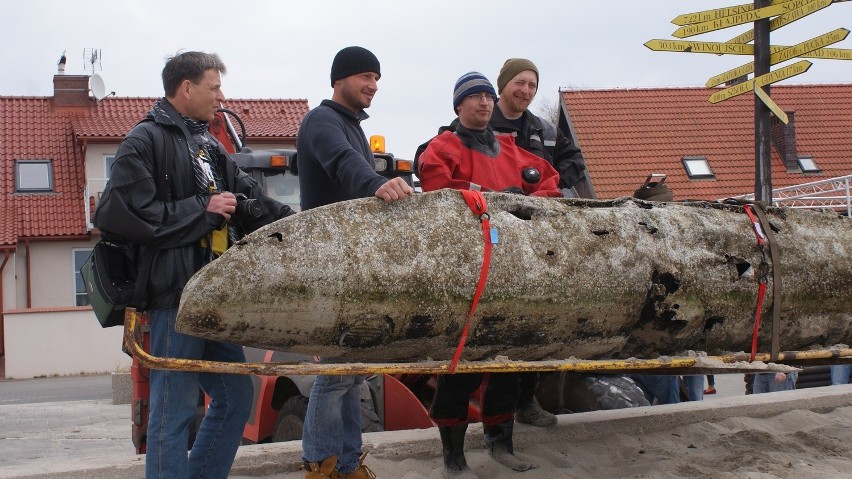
[
  {"x": 563, "y": 392},
  {"x": 291, "y": 419}
]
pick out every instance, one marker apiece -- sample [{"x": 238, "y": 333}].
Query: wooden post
[{"x": 762, "y": 118}]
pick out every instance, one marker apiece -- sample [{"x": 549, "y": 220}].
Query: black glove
[{"x": 513, "y": 189}]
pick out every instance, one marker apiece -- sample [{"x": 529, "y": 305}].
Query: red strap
[
  {"x": 755, "y": 225},
  {"x": 476, "y": 202},
  {"x": 761, "y": 290}
]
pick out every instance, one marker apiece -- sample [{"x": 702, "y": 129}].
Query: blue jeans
[
  {"x": 664, "y": 388},
  {"x": 694, "y": 387},
  {"x": 765, "y": 383},
  {"x": 840, "y": 373},
  {"x": 333, "y": 422},
  {"x": 174, "y": 404}
]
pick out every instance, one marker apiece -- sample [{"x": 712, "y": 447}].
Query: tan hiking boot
[
  {"x": 325, "y": 470},
  {"x": 360, "y": 472}
]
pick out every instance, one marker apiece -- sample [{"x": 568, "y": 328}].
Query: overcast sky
[{"x": 284, "y": 49}]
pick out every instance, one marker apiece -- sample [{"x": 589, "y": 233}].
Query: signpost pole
[{"x": 762, "y": 118}]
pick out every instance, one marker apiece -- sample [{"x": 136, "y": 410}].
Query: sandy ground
[{"x": 795, "y": 434}]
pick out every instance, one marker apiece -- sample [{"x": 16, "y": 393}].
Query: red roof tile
[
  {"x": 626, "y": 134},
  {"x": 32, "y": 128}
]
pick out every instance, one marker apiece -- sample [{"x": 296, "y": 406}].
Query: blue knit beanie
[{"x": 468, "y": 84}]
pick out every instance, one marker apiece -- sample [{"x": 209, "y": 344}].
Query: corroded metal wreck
[{"x": 368, "y": 281}]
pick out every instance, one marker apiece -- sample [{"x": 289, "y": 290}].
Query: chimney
[
  {"x": 71, "y": 90},
  {"x": 784, "y": 141}
]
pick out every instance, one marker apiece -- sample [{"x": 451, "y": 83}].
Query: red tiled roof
[
  {"x": 32, "y": 128},
  {"x": 627, "y": 134}
]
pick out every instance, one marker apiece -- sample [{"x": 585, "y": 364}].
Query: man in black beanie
[{"x": 336, "y": 164}]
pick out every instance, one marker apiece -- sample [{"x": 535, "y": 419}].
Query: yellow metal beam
[{"x": 732, "y": 363}]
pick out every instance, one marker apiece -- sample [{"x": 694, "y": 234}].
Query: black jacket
[
  {"x": 155, "y": 156},
  {"x": 335, "y": 160}
]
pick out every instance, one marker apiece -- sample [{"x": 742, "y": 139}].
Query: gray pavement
[{"x": 91, "y": 438}]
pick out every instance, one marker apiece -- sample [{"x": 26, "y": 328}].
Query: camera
[{"x": 248, "y": 208}]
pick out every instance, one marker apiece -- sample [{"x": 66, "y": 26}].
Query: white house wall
[{"x": 61, "y": 343}]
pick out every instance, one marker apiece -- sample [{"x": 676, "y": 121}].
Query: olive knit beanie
[{"x": 512, "y": 67}]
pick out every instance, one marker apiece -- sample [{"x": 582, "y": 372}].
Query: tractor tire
[
  {"x": 291, "y": 419},
  {"x": 562, "y": 393}
]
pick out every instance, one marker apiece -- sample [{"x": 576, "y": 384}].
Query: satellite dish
[{"x": 96, "y": 84}]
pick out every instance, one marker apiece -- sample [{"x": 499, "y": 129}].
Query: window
[
  {"x": 697, "y": 167},
  {"x": 33, "y": 175},
  {"x": 108, "y": 162},
  {"x": 80, "y": 256},
  {"x": 808, "y": 165}
]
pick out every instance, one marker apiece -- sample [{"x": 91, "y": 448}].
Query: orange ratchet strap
[{"x": 476, "y": 202}]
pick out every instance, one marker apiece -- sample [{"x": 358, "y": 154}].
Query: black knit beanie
[{"x": 353, "y": 60}]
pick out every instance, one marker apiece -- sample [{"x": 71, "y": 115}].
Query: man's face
[
  {"x": 519, "y": 92},
  {"x": 357, "y": 91},
  {"x": 204, "y": 97},
  {"x": 475, "y": 110}
]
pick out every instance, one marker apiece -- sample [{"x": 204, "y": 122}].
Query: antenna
[
  {"x": 93, "y": 60},
  {"x": 96, "y": 85}
]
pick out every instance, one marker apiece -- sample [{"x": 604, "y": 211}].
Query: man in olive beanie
[
  {"x": 353, "y": 60},
  {"x": 511, "y": 68}
]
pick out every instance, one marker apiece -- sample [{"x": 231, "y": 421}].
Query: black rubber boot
[
  {"x": 452, "y": 440},
  {"x": 499, "y": 440}
]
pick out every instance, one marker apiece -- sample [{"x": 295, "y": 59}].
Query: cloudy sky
[{"x": 283, "y": 49}]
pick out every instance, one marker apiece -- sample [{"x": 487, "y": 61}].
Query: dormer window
[
  {"x": 697, "y": 168},
  {"x": 808, "y": 165},
  {"x": 33, "y": 176}
]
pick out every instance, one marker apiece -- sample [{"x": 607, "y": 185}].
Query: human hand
[
  {"x": 224, "y": 203},
  {"x": 780, "y": 377},
  {"x": 395, "y": 189}
]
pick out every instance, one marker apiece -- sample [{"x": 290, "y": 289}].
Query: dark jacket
[
  {"x": 539, "y": 137},
  {"x": 335, "y": 160},
  {"x": 155, "y": 155},
  {"x": 542, "y": 138}
]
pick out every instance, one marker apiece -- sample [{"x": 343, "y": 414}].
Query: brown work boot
[
  {"x": 325, "y": 470},
  {"x": 360, "y": 472}
]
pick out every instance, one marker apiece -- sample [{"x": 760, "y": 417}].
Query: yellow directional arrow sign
[
  {"x": 771, "y": 104},
  {"x": 806, "y": 46},
  {"x": 717, "y": 13},
  {"x": 771, "y": 77},
  {"x": 734, "y": 20},
  {"x": 785, "y": 19},
  {"x": 719, "y": 48}
]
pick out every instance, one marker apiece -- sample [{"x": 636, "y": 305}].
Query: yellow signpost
[
  {"x": 717, "y": 13},
  {"x": 771, "y": 104},
  {"x": 727, "y": 48},
  {"x": 781, "y": 20},
  {"x": 736, "y": 19},
  {"x": 780, "y": 74},
  {"x": 783, "y": 55}
]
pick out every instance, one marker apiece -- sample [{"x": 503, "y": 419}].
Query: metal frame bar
[{"x": 731, "y": 363}]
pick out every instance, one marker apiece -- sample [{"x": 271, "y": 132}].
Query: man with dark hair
[
  {"x": 172, "y": 192},
  {"x": 336, "y": 164}
]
